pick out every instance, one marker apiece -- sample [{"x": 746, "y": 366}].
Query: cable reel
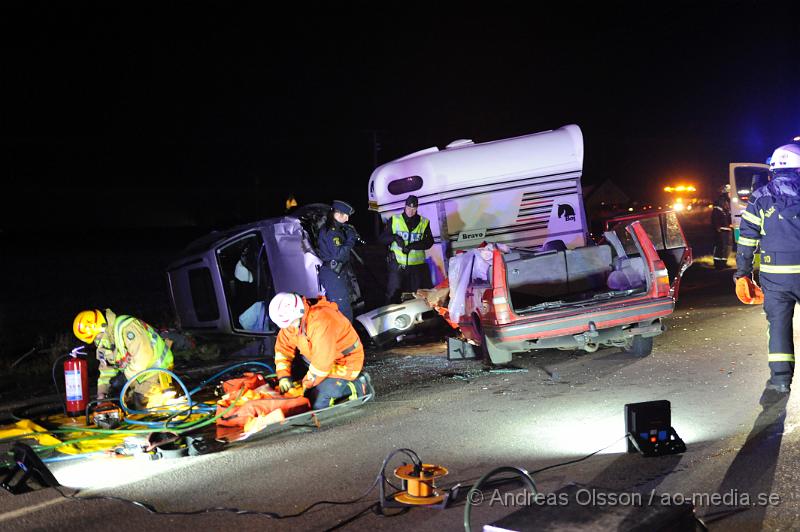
[{"x": 419, "y": 483}]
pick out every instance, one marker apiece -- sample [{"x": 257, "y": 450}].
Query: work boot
[
  {"x": 781, "y": 387},
  {"x": 774, "y": 393},
  {"x": 364, "y": 383}
]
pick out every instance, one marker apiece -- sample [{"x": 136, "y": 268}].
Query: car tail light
[
  {"x": 500, "y": 302},
  {"x": 660, "y": 279}
]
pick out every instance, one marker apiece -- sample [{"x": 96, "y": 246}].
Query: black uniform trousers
[
  {"x": 779, "y": 305},
  {"x": 405, "y": 279},
  {"x": 337, "y": 289}
]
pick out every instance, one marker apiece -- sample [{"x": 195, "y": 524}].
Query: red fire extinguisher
[{"x": 76, "y": 382}]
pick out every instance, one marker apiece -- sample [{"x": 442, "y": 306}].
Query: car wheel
[
  {"x": 639, "y": 346},
  {"x": 366, "y": 340}
]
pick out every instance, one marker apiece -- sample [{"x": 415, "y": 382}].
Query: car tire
[
  {"x": 639, "y": 346},
  {"x": 366, "y": 340}
]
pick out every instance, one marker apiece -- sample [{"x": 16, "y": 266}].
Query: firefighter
[
  {"x": 336, "y": 240},
  {"x": 721, "y": 223},
  {"x": 128, "y": 345},
  {"x": 327, "y": 343},
  {"x": 771, "y": 222},
  {"x": 408, "y": 236}
]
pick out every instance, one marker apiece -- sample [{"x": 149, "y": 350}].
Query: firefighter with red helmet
[
  {"x": 129, "y": 346},
  {"x": 328, "y": 344}
]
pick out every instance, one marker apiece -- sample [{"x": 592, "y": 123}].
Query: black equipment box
[{"x": 649, "y": 429}]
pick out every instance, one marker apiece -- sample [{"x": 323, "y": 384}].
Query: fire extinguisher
[{"x": 76, "y": 382}]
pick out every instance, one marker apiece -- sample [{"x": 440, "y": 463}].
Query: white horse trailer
[{"x": 523, "y": 191}]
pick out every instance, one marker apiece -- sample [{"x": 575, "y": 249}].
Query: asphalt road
[{"x": 561, "y": 406}]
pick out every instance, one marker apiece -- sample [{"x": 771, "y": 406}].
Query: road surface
[{"x": 560, "y": 406}]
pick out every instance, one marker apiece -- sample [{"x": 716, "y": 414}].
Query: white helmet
[
  {"x": 285, "y": 307},
  {"x": 787, "y": 156}
]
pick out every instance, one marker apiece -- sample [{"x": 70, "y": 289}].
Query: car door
[{"x": 666, "y": 234}]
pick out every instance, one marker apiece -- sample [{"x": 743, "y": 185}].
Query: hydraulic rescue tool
[{"x": 107, "y": 415}]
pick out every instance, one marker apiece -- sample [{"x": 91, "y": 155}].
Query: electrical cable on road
[{"x": 238, "y": 511}]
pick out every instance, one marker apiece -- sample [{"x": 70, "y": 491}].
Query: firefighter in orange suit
[{"x": 327, "y": 342}]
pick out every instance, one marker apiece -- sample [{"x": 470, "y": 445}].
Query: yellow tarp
[
  {"x": 62, "y": 441},
  {"x": 27, "y": 428}
]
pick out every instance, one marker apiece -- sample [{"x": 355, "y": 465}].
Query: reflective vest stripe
[
  {"x": 350, "y": 349},
  {"x": 744, "y": 241},
  {"x": 781, "y": 357},
  {"x": 771, "y": 268},
  {"x": 415, "y": 257},
  {"x": 317, "y": 372},
  {"x": 353, "y": 391},
  {"x": 752, "y": 218},
  {"x": 105, "y": 376},
  {"x": 162, "y": 355}
]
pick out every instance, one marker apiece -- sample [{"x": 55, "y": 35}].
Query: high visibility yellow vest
[
  {"x": 155, "y": 346},
  {"x": 415, "y": 257}
]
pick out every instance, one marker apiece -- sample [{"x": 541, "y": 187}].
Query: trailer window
[
  {"x": 405, "y": 185},
  {"x": 203, "y": 298}
]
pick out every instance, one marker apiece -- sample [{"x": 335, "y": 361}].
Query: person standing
[
  {"x": 408, "y": 236},
  {"x": 328, "y": 344},
  {"x": 721, "y": 223},
  {"x": 335, "y": 242},
  {"x": 772, "y": 221}
]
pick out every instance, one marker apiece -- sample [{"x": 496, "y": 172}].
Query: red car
[{"x": 615, "y": 293}]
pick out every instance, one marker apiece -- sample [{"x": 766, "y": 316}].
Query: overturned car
[{"x": 223, "y": 282}]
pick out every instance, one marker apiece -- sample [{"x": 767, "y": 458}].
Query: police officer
[
  {"x": 409, "y": 235},
  {"x": 772, "y": 221},
  {"x": 721, "y": 223},
  {"x": 336, "y": 240}
]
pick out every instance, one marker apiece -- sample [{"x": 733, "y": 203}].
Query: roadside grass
[{"x": 707, "y": 261}]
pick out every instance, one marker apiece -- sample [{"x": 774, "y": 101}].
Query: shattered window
[
  {"x": 673, "y": 230},
  {"x": 652, "y": 227},
  {"x": 248, "y": 282}
]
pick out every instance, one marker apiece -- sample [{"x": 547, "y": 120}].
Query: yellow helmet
[{"x": 88, "y": 324}]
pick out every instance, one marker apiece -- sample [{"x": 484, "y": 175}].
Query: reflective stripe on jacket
[
  {"x": 137, "y": 347},
  {"x": 326, "y": 339},
  {"x": 415, "y": 257},
  {"x": 771, "y": 222}
]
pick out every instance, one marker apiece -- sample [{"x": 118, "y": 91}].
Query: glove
[
  {"x": 405, "y": 249},
  {"x": 739, "y": 274},
  {"x": 352, "y": 234},
  {"x": 399, "y": 240},
  {"x": 284, "y": 384}
]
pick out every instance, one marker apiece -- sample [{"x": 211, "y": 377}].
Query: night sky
[{"x": 207, "y": 115}]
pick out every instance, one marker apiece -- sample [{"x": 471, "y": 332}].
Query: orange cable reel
[{"x": 419, "y": 484}]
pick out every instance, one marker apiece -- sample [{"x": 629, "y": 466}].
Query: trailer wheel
[{"x": 639, "y": 346}]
